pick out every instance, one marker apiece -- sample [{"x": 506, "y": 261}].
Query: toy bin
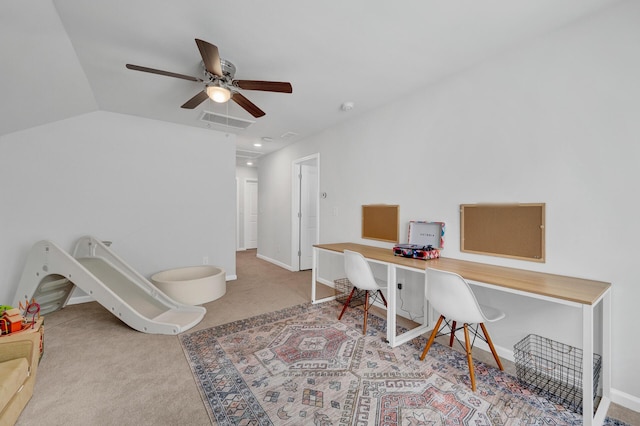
[{"x": 554, "y": 370}]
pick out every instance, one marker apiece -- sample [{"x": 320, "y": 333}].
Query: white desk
[{"x": 581, "y": 294}]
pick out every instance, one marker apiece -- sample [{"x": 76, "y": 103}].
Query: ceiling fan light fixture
[
  {"x": 218, "y": 94},
  {"x": 219, "y": 83}
]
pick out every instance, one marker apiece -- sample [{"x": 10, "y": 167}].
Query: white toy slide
[{"x": 51, "y": 274}]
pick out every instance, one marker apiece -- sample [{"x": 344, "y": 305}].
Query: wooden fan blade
[
  {"x": 210, "y": 57},
  {"x": 196, "y": 100},
  {"x": 160, "y": 72},
  {"x": 267, "y": 86},
  {"x": 247, "y": 105}
]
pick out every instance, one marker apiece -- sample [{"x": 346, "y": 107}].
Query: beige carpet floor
[{"x": 97, "y": 371}]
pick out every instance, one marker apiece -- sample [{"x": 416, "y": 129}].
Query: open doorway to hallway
[
  {"x": 246, "y": 208},
  {"x": 305, "y": 218},
  {"x": 250, "y": 213}
]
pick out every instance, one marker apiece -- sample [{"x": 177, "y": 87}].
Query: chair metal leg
[
  {"x": 344, "y": 308},
  {"x": 467, "y": 345},
  {"x": 434, "y": 333},
  {"x": 453, "y": 333},
  {"x": 493, "y": 349}
]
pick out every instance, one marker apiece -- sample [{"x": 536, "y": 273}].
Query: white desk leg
[
  {"x": 391, "y": 305},
  {"x": 587, "y": 364},
  {"x": 606, "y": 347},
  {"x": 603, "y": 407},
  {"x": 314, "y": 274}
]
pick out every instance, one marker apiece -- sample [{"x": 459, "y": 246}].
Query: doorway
[
  {"x": 250, "y": 213},
  {"x": 305, "y": 217}
]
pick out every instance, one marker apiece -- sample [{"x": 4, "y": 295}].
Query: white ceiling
[{"x": 62, "y": 58}]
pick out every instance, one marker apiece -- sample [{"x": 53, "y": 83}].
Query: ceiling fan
[{"x": 219, "y": 81}]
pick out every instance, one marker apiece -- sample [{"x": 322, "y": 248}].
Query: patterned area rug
[{"x": 301, "y": 366}]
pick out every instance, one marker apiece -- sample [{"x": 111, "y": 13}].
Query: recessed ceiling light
[
  {"x": 258, "y": 144},
  {"x": 249, "y": 163}
]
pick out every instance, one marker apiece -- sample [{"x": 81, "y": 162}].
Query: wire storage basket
[
  {"x": 554, "y": 370},
  {"x": 343, "y": 289}
]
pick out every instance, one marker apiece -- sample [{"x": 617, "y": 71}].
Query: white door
[
  {"x": 251, "y": 214},
  {"x": 308, "y": 213}
]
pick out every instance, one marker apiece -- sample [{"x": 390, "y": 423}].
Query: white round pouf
[{"x": 192, "y": 285}]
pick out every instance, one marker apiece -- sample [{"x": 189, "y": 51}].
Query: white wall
[
  {"x": 555, "y": 121},
  {"x": 163, "y": 193}
]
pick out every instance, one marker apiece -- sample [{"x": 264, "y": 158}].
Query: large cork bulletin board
[
  {"x": 505, "y": 230},
  {"x": 381, "y": 222}
]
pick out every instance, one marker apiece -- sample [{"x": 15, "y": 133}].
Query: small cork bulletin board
[
  {"x": 505, "y": 230},
  {"x": 381, "y": 222}
]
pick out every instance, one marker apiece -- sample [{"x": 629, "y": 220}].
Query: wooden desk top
[{"x": 583, "y": 291}]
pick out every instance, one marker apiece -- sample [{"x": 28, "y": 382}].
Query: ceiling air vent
[
  {"x": 248, "y": 154},
  {"x": 225, "y": 120},
  {"x": 288, "y": 135}
]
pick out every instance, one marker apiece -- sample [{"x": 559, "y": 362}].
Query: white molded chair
[
  {"x": 359, "y": 274},
  {"x": 452, "y": 297}
]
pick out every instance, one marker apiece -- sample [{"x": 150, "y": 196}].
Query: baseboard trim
[
  {"x": 275, "y": 262},
  {"x": 326, "y": 282},
  {"x": 624, "y": 399},
  {"x": 230, "y": 277}
]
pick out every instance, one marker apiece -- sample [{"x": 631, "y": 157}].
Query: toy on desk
[{"x": 426, "y": 239}]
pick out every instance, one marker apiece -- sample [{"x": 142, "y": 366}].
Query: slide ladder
[{"x": 50, "y": 275}]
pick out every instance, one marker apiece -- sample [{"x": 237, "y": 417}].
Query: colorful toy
[
  {"x": 18, "y": 319},
  {"x": 30, "y": 308},
  {"x": 11, "y": 321}
]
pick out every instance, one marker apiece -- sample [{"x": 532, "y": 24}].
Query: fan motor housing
[
  {"x": 228, "y": 72},
  {"x": 228, "y": 69}
]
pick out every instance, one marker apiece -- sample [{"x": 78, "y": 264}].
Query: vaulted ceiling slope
[
  {"x": 62, "y": 58},
  {"x": 41, "y": 78}
]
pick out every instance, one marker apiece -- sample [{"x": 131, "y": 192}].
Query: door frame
[{"x": 295, "y": 203}]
